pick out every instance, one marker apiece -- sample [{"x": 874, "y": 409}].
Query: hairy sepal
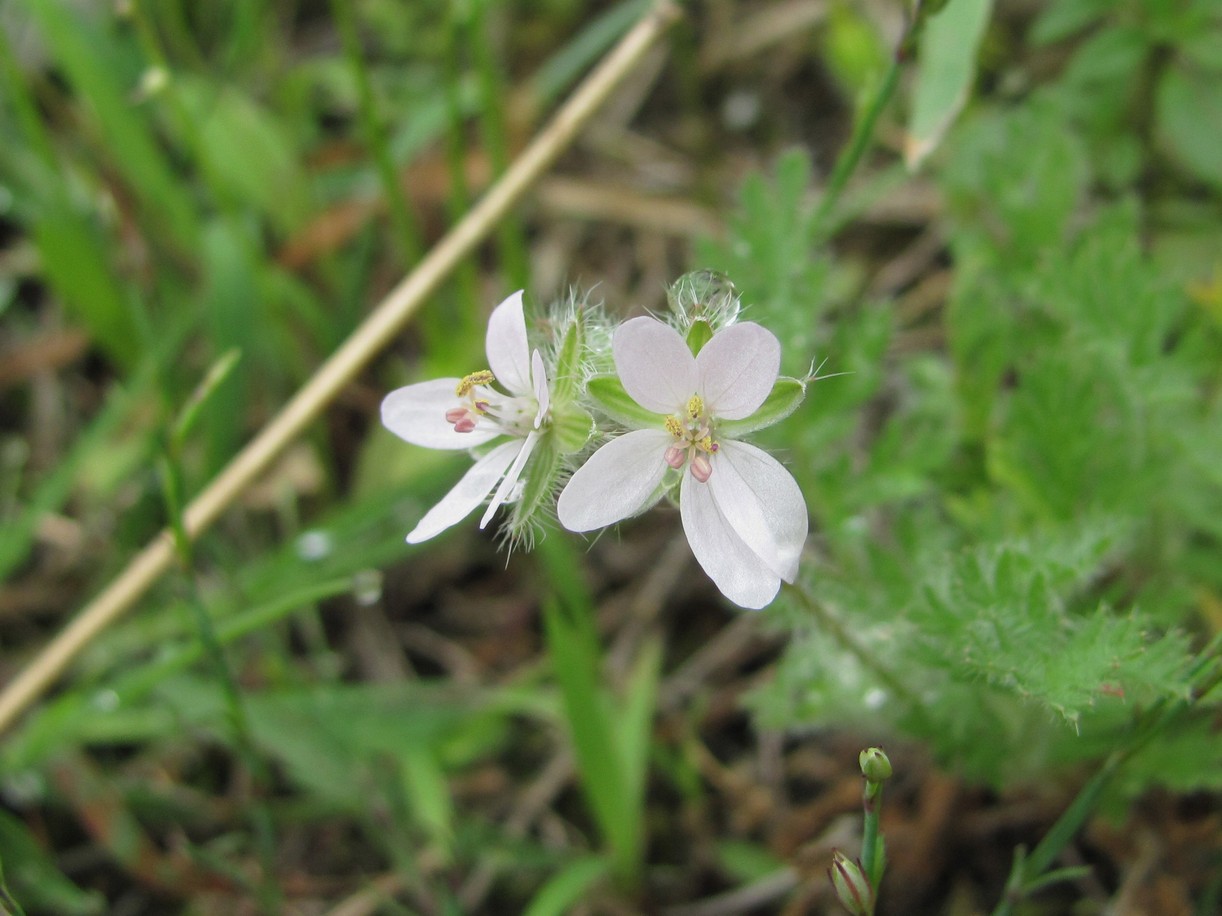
[
  {"x": 567, "y": 380},
  {"x": 786, "y": 396},
  {"x": 608, "y": 394},
  {"x": 572, "y": 429}
]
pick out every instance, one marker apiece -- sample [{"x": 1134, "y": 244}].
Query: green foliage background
[{"x": 1016, "y": 497}]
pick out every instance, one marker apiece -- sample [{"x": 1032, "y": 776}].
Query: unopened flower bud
[
  {"x": 703, "y": 302},
  {"x": 875, "y": 766},
  {"x": 851, "y": 884}
]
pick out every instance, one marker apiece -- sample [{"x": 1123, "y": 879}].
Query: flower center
[
  {"x": 514, "y": 415},
  {"x": 694, "y": 443}
]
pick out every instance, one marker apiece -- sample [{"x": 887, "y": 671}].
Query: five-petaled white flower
[
  {"x": 743, "y": 513},
  {"x": 453, "y": 413}
]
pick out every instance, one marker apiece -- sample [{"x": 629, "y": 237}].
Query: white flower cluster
[{"x": 680, "y": 398}]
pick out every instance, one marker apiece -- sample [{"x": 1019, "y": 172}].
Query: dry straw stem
[{"x": 383, "y": 324}]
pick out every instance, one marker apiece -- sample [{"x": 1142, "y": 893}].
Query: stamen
[
  {"x": 707, "y": 444},
  {"x": 483, "y": 377},
  {"x": 695, "y": 406},
  {"x": 674, "y": 427},
  {"x": 676, "y": 456},
  {"x": 454, "y": 414},
  {"x": 702, "y": 468},
  {"x": 465, "y": 425}
]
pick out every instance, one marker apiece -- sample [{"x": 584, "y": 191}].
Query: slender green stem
[
  {"x": 871, "y": 861},
  {"x": 239, "y": 721},
  {"x": 863, "y": 132},
  {"x": 402, "y": 221},
  {"x": 1028, "y": 869},
  {"x": 838, "y": 631}
]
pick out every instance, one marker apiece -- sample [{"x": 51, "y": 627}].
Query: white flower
[
  {"x": 743, "y": 513},
  {"x": 453, "y": 413}
]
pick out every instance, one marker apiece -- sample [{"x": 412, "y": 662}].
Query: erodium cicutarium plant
[{"x": 674, "y": 401}]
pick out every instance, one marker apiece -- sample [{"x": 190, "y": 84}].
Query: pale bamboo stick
[{"x": 386, "y": 321}]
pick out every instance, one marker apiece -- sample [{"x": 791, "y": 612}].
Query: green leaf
[
  {"x": 102, "y": 69},
  {"x": 33, "y": 878},
  {"x": 946, "y": 69},
  {"x": 428, "y": 793},
  {"x": 245, "y": 154},
  {"x": 786, "y": 396},
  {"x": 74, "y": 263},
  {"x": 634, "y": 728},
  {"x": 567, "y": 887},
  {"x": 1189, "y": 120},
  {"x": 1060, "y": 20},
  {"x": 608, "y": 393},
  {"x": 598, "y": 743},
  {"x": 575, "y": 657}
]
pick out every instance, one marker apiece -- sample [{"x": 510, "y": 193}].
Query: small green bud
[
  {"x": 851, "y": 884},
  {"x": 875, "y": 766},
  {"x": 706, "y": 296}
]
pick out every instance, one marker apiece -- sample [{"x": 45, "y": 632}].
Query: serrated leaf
[{"x": 946, "y": 69}]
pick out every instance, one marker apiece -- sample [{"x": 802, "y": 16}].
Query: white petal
[
  {"x": 468, "y": 493},
  {"x": 417, "y": 413},
  {"x": 538, "y": 374},
  {"x": 506, "y": 489},
  {"x": 617, "y": 481},
  {"x": 505, "y": 344},
  {"x": 762, "y": 503},
  {"x": 733, "y": 566},
  {"x": 655, "y": 365},
  {"x": 738, "y": 368}
]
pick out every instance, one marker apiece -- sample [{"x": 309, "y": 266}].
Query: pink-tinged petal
[
  {"x": 734, "y": 567},
  {"x": 417, "y": 414},
  {"x": 505, "y": 344},
  {"x": 762, "y": 503},
  {"x": 467, "y": 494},
  {"x": 618, "y": 480},
  {"x": 538, "y": 374},
  {"x": 511, "y": 478},
  {"x": 655, "y": 365},
  {"x": 738, "y": 368}
]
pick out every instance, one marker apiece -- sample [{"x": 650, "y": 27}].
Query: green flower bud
[
  {"x": 702, "y": 297},
  {"x": 875, "y": 766},
  {"x": 851, "y": 884}
]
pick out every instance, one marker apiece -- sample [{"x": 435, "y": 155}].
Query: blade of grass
[
  {"x": 610, "y": 745},
  {"x": 401, "y": 218},
  {"x": 514, "y": 256},
  {"x": 365, "y": 342},
  {"x": 566, "y": 887},
  {"x": 94, "y": 63}
]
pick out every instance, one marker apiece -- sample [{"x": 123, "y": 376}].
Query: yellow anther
[
  {"x": 483, "y": 377},
  {"x": 695, "y": 406},
  {"x": 707, "y": 444},
  {"x": 674, "y": 427}
]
